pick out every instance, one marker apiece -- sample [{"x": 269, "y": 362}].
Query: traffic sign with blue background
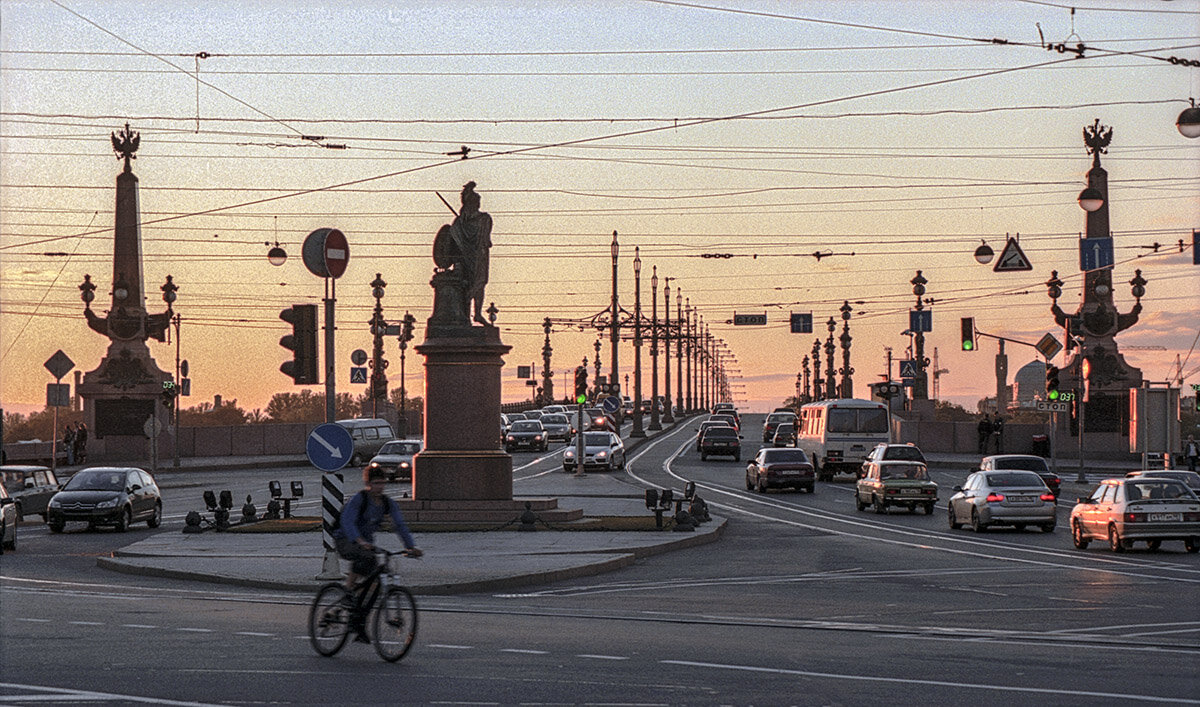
[
  {"x": 802, "y": 322},
  {"x": 920, "y": 320},
  {"x": 610, "y": 404},
  {"x": 908, "y": 368},
  {"x": 329, "y": 447},
  {"x": 1095, "y": 253}
]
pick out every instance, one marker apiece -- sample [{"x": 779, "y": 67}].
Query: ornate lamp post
[
  {"x": 668, "y": 403},
  {"x": 679, "y": 352},
  {"x": 596, "y": 381},
  {"x": 816, "y": 364},
  {"x": 846, "y": 371},
  {"x": 831, "y": 389},
  {"x": 691, "y": 347},
  {"x": 637, "y": 430},
  {"x": 804, "y": 390},
  {"x": 655, "y": 422},
  {"x": 614, "y": 248},
  {"x": 921, "y": 383},
  {"x": 547, "y": 374},
  {"x": 378, "y": 363},
  {"x": 406, "y": 335}
]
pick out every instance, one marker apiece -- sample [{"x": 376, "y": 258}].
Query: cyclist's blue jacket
[{"x": 371, "y": 516}]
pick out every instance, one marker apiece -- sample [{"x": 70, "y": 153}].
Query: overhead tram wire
[{"x": 609, "y": 136}]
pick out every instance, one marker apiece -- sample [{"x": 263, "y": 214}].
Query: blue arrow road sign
[
  {"x": 329, "y": 447},
  {"x": 802, "y": 322},
  {"x": 1095, "y": 253},
  {"x": 610, "y": 404},
  {"x": 920, "y": 320}
]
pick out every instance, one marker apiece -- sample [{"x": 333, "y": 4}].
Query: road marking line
[
  {"x": 92, "y": 696},
  {"x": 524, "y": 651},
  {"x": 86, "y": 623},
  {"x": 602, "y": 657},
  {"x": 137, "y": 626},
  {"x": 450, "y": 646},
  {"x": 35, "y": 621},
  {"x": 253, "y": 633},
  {"x": 935, "y": 683},
  {"x": 195, "y": 630}
]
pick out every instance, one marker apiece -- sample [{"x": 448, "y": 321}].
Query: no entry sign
[{"x": 326, "y": 252}]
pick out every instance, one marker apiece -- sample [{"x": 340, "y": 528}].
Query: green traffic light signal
[
  {"x": 1053, "y": 395},
  {"x": 968, "y": 345},
  {"x": 581, "y": 398},
  {"x": 968, "y": 333}
]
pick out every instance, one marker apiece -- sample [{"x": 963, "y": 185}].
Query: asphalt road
[{"x": 803, "y": 601}]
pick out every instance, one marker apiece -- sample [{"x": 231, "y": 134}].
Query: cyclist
[{"x": 355, "y": 535}]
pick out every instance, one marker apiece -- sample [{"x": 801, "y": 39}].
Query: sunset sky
[{"x": 889, "y": 136}]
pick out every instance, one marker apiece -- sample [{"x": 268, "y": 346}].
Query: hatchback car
[
  {"x": 526, "y": 434},
  {"x": 785, "y": 436},
  {"x": 1026, "y": 462},
  {"x": 774, "y": 420},
  {"x": 1122, "y": 511},
  {"x": 557, "y": 426},
  {"x": 105, "y": 495},
  {"x": 396, "y": 458},
  {"x": 907, "y": 452},
  {"x": 602, "y": 451},
  {"x": 780, "y": 468},
  {"x": 30, "y": 487},
  {"x": 896, "y": 483},
  {"x": 1016, "y": 498},
  {"x": 8, "y": 522},
  {"x": 721, "y": 441}
]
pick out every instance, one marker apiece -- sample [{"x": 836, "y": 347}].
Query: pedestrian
[
  {"x": 985, "y": 431},
  {"x": 69, "y": 444},
  {"x": 81, "y": 438},
  {"x": 998, "y": 430},
  {"x": 1191, "y": 452}
]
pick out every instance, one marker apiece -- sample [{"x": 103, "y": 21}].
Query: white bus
[{"x": 838, "y": 434}]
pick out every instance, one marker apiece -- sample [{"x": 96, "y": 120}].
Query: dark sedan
[
  {"x": 780, "y": 468},
  {"x": 526, "y": 434},
  {"x": 116, "y": 496},
  {"x": 720, "y": 441}
]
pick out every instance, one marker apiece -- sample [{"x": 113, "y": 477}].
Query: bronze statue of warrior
[{"x": 463, "y": 247}]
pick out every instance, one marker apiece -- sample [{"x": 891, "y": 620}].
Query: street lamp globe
[
  {"x": 984, "y": 254},
  {"x": 1090, "y": 199},
  {"x": 1189, "y": 121},
  {"x": 277, "y": 256}
]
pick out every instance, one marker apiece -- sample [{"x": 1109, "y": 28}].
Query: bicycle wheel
[
  {"x": 395, "y": 624},
  {"x": 329, "y": 619}
]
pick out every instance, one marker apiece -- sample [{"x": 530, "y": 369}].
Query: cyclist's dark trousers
[{"x": 362, "y": 560}]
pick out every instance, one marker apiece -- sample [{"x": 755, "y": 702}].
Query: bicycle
[{"x": 393, "y": 622}]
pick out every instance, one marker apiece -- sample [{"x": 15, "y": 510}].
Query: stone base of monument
[{"x": 461, "y": 512}]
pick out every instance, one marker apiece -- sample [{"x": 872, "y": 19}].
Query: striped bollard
[{"x": 332, "y": 500}]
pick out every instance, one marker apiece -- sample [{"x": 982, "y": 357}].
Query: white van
[
  {"x": 838, "y": 434},
  {"x": 369, "y": 435}
]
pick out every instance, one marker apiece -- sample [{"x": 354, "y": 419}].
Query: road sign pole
[
  {"x": 579, "y": 444},
  {"x": 330, "y": 376}
]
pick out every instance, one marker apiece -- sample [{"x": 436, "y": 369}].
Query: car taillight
[
  {"x": 1191, "y": 516},
  {"x": 893, "y": 491},
  {"x": 1048, "y": 497},
  {"x": 1135, "y": 517},
  {"x": 995, "y": 497},
  {"x": 928, "y": 492}
]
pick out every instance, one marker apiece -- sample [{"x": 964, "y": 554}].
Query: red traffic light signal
[{"x": 302, "y": 342}]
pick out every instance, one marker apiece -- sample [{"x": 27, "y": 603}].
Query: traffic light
[
  {"x": 302, "y": 342},
  {"x": 169, "y": 391},
  {"x": 1052, "y": 383},
  {"x": 581, "y": 384},
  {"x": 968, "y": 333}
]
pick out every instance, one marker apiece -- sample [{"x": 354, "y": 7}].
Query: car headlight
[
  {"x": 110, "y": 503},
  {"x": 569, "y": 454},
  {"x": 512, "y": 439},
  {"x": 601, "y": 455},
  {"x": 55, "y": 503},
  {"x": 373, "y": 465},
  {"x": 537, "y": 438},
  {"x": 404, "y": 465}
]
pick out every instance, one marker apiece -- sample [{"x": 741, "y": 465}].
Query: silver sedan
[{"x": 1016, "y": 498}]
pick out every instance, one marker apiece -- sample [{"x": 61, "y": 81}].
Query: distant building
[{"x": 1030, "y": 383}]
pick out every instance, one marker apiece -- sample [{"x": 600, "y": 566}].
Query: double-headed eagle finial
[{"x": 125, "y": 144}]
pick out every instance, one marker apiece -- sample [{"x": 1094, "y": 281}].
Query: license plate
[
  {"x": 1021, "y": 499},
  {"x": 1166, "y": 517},
  {"x": 910, "y": 492}
]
